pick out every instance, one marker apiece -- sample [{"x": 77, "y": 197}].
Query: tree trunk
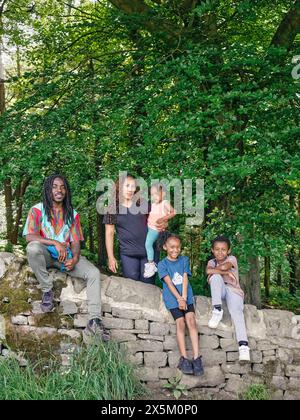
[
  {"x": 19, "y": 199},
  {"x": 297, "y": 270},
  {"x": 298, "y": 252},
  {"x": 251, "y": 283},
  {"x": 2, "y": 76},
  {"x": 14, "y": 201},
  {"x": 267, "y": 276},
  {"x": 292, "y": 253},
  {"x": 293, "y": 266},
  {"x": 279, "y": 276},
  {"x": 8, "y": 209},
  {"x": 288, "y": 28},
  {"x": 18, "y": 57},
  {"x": 101, "y": 241},
  {"x": 91, "y": 232}
]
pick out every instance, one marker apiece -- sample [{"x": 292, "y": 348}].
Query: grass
[
  {"x": 256, "y": 392},
  {"x": 97, "y": 373}
]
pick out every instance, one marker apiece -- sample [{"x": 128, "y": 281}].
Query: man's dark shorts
[{"x": 178, "y": 313}]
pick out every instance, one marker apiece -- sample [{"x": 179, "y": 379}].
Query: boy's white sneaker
[
  {"x": 216, "y": 318},
  {"x": 150, "y": 270},
  {"x": 244, "y": 354}
]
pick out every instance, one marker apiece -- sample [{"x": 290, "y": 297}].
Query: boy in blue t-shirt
[{"x": 179, "y": 300}]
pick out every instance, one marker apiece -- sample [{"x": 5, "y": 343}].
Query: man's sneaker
[
  {"x": 150, "y": 270},
  {"x": 47, "y": 301},
  {"x": 95, "y": 332},
  {"x": 185, "y": 366},
  {"x": 216, "y": 318},
  {"x": 244, "y": 354},
  {"x": 197, "y": 366}
]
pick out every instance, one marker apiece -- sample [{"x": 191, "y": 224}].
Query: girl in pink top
[{"x": 161, "y": 211}]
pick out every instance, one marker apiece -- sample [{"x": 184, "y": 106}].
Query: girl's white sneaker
[{"x": 150, "y": 270}]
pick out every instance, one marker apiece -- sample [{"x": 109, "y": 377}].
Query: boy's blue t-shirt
[{"x": 175, "y": 269}]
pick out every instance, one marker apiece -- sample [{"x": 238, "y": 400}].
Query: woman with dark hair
[{"x": 131, "y": 228}]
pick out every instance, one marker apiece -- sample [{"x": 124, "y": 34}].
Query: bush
[{"x": 280, "y": 298}]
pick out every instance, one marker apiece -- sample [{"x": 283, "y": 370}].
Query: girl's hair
[
  {"x": 68, "y": 212},
  {"x": 221, "y": 238},
  {"x": 159, "y": 186},
  {"x": 164, "y": 237}
]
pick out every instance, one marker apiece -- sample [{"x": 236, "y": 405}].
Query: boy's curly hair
[{"x": 221, "y": 238}]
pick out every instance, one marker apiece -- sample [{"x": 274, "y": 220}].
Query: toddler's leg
[
  {"x": 152, "y": 236},
  {"x": 150, "y": 267}
]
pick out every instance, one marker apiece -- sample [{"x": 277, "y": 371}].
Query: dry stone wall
[{"x": 136, "y": 316}]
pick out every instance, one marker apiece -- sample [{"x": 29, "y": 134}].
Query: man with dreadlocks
[{"x": 54, "y": 225}]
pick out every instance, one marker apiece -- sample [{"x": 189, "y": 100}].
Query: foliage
[
  {"x": 280, "y": 298},
  {"x": 169, "y": 93},
  {"x": 176, "y": 387}
]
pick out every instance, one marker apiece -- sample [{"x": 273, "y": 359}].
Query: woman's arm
[
  {"x": 109, "y": 243},
  {"x": 171, "y": 213}
]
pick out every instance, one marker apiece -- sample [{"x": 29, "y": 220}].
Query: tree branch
[
  {"x": 131, "y": 6},
  {"x": 153, "y": 24},
  {"x": 2, "y": 6},
  {"x": 188, "y": 5},
  {"x": 288, "y": 28},
  {"x": 71, "y": 6}
]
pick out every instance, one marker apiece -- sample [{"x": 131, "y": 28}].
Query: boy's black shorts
[{"x": 178, "y": 313}]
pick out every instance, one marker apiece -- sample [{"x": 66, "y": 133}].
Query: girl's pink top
[{"x": 158, "y": 210}]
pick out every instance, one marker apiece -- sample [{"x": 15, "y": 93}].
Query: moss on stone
[
  {"x": 17, "y": 298},
  {"x": 57, "y": 287},
  {"x": 67, "y": 321},
  {"x": 16, "y": 288},
  {"x": 269, "y": 370},
  {"x": 51, "y": 319},
  {"x": 44, "y": 347}
]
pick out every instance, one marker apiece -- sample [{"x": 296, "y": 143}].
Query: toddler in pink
[{"x": 161, "y": 211}]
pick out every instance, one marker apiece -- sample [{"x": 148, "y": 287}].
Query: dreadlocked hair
[
  {"x": 68, "y": 212},
  {"x": 164, "y": 237}
]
